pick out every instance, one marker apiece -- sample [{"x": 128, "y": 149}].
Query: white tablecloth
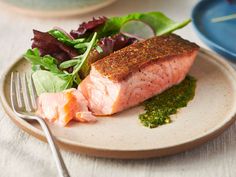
[{"x": 22, "y": 155}]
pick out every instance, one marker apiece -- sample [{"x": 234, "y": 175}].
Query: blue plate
[{"x": 220, "y": 36}]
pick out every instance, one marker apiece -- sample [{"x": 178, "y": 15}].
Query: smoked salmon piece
[
  {"x": 64, "y": 106},
  {"x": 135, "y": 73}
]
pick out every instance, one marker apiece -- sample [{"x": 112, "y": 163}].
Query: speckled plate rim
[
  {"x": 56, "y": 13},
  {"x": 124, "y": 154}
]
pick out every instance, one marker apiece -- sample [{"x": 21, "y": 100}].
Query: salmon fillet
[
  {"x": 135, "y": 73},
  {"x": 64, "y": 106}
]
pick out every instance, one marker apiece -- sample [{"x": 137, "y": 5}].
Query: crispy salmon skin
[{"x": 121, "y": 63}]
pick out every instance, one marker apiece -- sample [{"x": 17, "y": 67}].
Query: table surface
[{"x": 22, "y": 155}]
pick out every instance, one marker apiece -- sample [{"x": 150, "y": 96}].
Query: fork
[{"x": 24, "y": 105}]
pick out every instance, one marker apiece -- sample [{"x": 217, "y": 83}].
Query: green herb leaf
[
  {"x": 84, "y": 65},
  {"x": 81, "y": 45},
  {"x": 46, "y": 62},
  {"x": 41, "y": 80},
  {"x": 99, "y": 49},
  {"x": 69, "y": 63},
  {"x": 160, "y": 23},
  {"x": 61, "y": 36},
  {"x": 80, "y": 62}
]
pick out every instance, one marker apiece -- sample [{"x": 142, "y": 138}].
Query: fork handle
[{"x": 61, "y": 167}]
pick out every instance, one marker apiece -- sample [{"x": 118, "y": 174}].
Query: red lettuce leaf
[
  {"x": 109, "y": 45},
  {"x": 48, "y": 45},
  {"x": 89, "y": 27},
  {"x": 116, "y": 42}
]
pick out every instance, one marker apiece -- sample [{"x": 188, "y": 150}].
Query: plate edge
[{"x": 120, "y": 154}]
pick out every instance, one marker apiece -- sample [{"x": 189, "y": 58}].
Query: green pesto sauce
[{"x": 159, "y": 108}]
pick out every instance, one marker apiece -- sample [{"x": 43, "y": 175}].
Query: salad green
[
  {"x": 61, "y": 36},
  {"x": 60, "y": 61},
  {"x": 49, "y": 78},
  {"x": 41, "y": 81},
  {"x": 160, "y": 23}
]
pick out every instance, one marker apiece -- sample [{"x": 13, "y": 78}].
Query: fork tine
[
  {"x": 33, "y": 93},
  {"x": 26, "y": 94},
  {"x": 13, "y": 93},
  {"x": 18, "y": 90}
]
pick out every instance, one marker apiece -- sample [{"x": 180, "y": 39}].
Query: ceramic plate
[
  {"x": 219, "y": 36},
  {"x": 122, "y": 136},
  {"x": 54, "y": 8}
]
